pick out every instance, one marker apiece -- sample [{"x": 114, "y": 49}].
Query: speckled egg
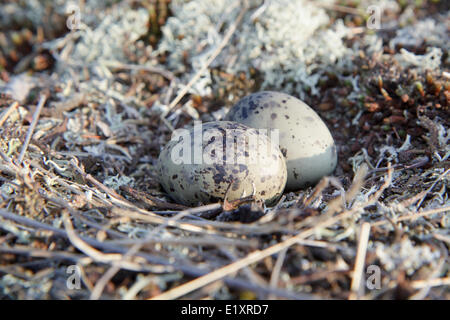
[
  {"x": 304, "y": 139},
  {"x": 219, "y": 159}
]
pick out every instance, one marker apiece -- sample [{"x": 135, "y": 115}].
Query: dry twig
[
  {"x": 32, "y": 126},
  {"x": 211, "y": 58}
]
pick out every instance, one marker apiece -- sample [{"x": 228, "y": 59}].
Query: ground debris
[{"x": 79, "y": 193}]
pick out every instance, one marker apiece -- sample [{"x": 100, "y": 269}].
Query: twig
[
  {"x": 115, "y": 64},
  {"x": 277, "y": 269},
  {"x": 338, "y": 8},
  {"x": 218, "y": 241},
  {"x": 101, "y": 186},
  {"x": 151, "y": 201},
  {"x": 387, "y": 182},
  {"x": 431, "y": 188},
  {"x": 149, "y": 217},
  {"x": 420, "y": 284},
  {"x": 38, "y": 253},
  {"x": 426, "y": 284},
  {"x": 165, "y": 265},
  {"x": 84, "y": 247},
  {"x": 358, "y": 182},
  {"x": 208, "y": 227},
  {"x": 98, "y": 226},
  {"x": 90, "y": 241},
  {"x": 32, "y": 126},
  {"x": 323, "y": 183},
  {"x": 8, "y": 112},
  {"x": 251, "y": 274},
  {"x": 359, "y": 263},
  {"x": 258, "y": 255},
  {"x": 101, "y": 283},
  {"x": 211, "y": 58},
  {"x": 249, "y": 259},
  {"x": 441, "y": 237},
  {"x": 413, "y": 215},
  {"x": 259, "y": 11},
  {"x": 138, "y": 286}
]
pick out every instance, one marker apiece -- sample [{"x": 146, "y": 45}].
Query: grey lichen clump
[
  {"x": 222, "y": 160},
  {"x": 304, "y": 138},
  {"x": 284, "y": 40}
]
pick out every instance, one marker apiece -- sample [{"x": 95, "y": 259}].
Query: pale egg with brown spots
[
  {"x": 304, "y": 139},
  {"x": 222, "y": 159}
]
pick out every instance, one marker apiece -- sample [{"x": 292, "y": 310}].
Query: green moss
[{"x": 402, "y": 133}]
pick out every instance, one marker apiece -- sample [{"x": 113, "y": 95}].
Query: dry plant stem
[
  {"x": 4, "y": 116},
  {"x": 356, "y": 286},
  {"x": 98, "y": 184},
  {"x": 101, "y": 283},
  {"x": 358, "y": 182},
  {"x": 189, "y": 241},
  {"x": 275, "y": 276},
  {"x": 259, "y": 11},
  {"x": 413, "y": 215},
  {"x": 137, "y": 287},
  {"x": 420, "y": 284},
  {"x": 442, "y": 237},
  {"x": 201, "y": 227},
  {"x": 162, "y": 265},
  {"x": 38, "y": 253},
  {"x": 213, "y": 56},
  {"x": 11, "y": 271},
  {"x": 128, "y": 209},
  {"x": 251, "y": 274},
  {"x": 99, "y": 227},
  {"x": 84, "y": 277},
  {"x": 431, "y": 188},
  {"x": 152, "y": 201},
  {"x": 83, "y": 246},
  {"x": 134, "y": 212},
  {"x": 115, "y": 64},
  {"x": 335, "y": 205},
  {"x": 33, "y": 124},
  {"x": 323, "y": 183},
  {"x": 112, "y": 245},
  {"x": 258, "y": 255},
  {"x": 423, "y": 292},
  {"x": 90, "y": 241},
  {"x": 338, "y": 8},
  {"x": 196, "y": 226},
  {"x": 251, "y": 258}
]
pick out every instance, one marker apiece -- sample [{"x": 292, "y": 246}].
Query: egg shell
[
  {"x": 304, "y": 139},
  {"x": 255, "y": 167}
]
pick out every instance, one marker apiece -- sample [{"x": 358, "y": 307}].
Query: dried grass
[{"x": 77, "y": 187}]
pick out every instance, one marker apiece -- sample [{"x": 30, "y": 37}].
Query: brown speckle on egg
[{"x": 238, "y": 175}]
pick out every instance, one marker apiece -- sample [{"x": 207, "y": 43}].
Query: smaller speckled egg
[
  {"x": 304, "y": 139},
  {"x": 212, "y": 160}
]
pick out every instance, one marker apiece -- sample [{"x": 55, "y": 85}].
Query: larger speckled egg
[
  {"x": 221, "y": 159},
  {"x": 304, "y": 139}
]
